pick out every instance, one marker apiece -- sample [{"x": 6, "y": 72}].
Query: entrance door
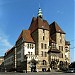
[
  {"x": 53, "y": 65},
  {"x": 33, "y": 67}
]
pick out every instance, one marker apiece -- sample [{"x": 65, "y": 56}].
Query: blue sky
[{"x": 16, "y": 15}]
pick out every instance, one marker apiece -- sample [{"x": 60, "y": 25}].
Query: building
[
  {"x": 67, "y": 53},
  {"x": 10, "y": 59},
  {"x": 41, "y": 47},
  {"x": 1, "y": 62},
  {"x": 1, "y": 59}
]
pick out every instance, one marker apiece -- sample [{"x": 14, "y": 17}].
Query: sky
[{"x": 16, "y": 15}]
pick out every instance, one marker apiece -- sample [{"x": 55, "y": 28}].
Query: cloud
[{"x": 4, "y": 43}]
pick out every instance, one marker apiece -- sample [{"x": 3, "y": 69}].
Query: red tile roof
[
  {"x": 38, "y": 23},
  {"x": 10, "y": 50},
  {"x": 55, "y": 28},
  {"x": 26, "y": 35},
  {"x": 7, "y": 51}
]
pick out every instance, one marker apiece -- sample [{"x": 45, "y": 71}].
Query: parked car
[{"x": 71, "y": 70}]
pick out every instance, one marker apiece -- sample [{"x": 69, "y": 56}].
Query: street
[{"x": 36, "y": 73}]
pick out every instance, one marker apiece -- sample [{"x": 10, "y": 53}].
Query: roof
[
  {"x": 26, "y": 35},
  {"x": 7, "y": 51},
  {"x": 54, "y": 50},
  {"x": 51, "y": 40},
  {"x": 10, "y": 50},
  {"x": 38, "y": 23},
  {"x": 55, "y": 28},
  {"x": 33, "y": 61}
]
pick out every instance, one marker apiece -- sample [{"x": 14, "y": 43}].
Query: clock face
[{"x": 42, "y": 26}]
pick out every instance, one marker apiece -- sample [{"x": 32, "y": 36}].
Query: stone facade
[
  {"x": 1, "y": 62},
  {"x": 10, "y": 59},
  {"x": 41, "y": 47},
  {"x": 1, "y": 59},
  {"x": 43, "y": 43}
]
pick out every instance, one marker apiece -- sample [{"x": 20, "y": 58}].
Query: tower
[{"x": 40, "y": 33}]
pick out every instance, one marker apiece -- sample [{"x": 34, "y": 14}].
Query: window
[
  {"x": 28, "y": 45},
  {"x": 43, "y": 38},
  {"x": 61, "y": 63},
  {"x": 29, "y": 53},
  {"x": 60, "y": 38},
  {"x": 19, "y": 48},
  {"x": 45, "y": 46},
  {"x": 65, "y": 56},
  {"x": 61, "y": 48},
  {"x": 45, "y": 54},
  {"x": 53, "y": 45},
  {"x": 19, "y": 55},
  {"x": 61, "y": 55},
  {"x": 32, "y": 46},
  {"x": 44, "y": 62},
  {"x": 42, "y": 53},
  {"x": 43, "y": 30},
  {"x": 42, "y": 45}
]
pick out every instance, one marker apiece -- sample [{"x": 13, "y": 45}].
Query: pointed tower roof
[
  {"x": 38, "y": 23},
  {"x": 40, "y": 13},
  {"x": 55, "y": 28}
]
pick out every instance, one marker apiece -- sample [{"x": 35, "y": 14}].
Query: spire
[{"x": 40, "y": 13}]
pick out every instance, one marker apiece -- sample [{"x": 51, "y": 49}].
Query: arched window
[{"x": 44, "y": 62}]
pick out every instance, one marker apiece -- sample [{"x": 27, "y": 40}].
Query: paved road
[{"x": 39, "y": 73}]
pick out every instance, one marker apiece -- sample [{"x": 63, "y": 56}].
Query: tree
[{"x": 72, "y": 65}]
